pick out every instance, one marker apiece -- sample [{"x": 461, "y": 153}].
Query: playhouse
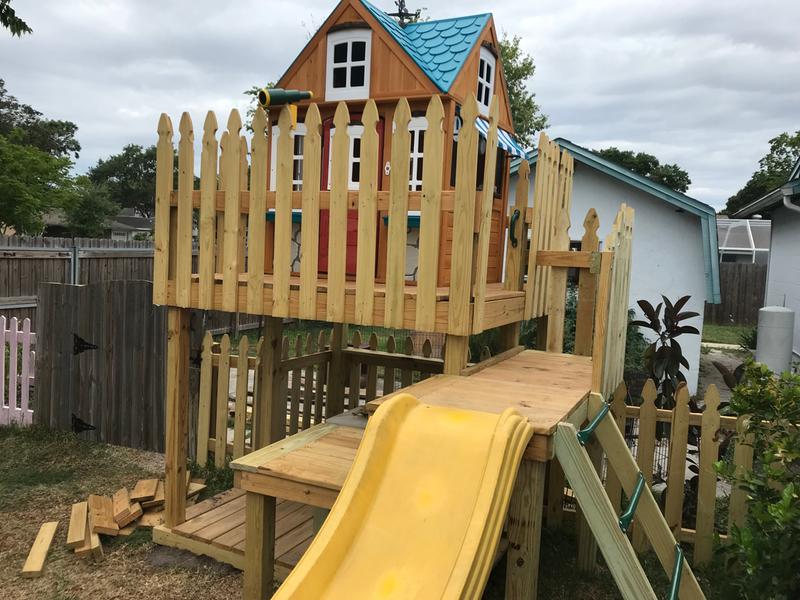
[{"x": 409, "y": 128}]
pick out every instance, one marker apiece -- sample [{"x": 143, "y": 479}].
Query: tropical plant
[
  {"x": 761, "y": 557},
  {"x": 664, "y": 357}
]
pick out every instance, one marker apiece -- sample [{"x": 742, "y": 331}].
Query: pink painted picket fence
[{"x": 16, "y": 371}]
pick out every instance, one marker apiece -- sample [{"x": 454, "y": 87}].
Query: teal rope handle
[
  {"x": 512, "y": 228},
  {"x": 585, "y": 433},
  {"x": 626, "y": 517},
  {"x": 677, "y": 570}
]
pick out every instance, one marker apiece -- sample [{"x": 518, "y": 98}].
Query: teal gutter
[{"x": 706, "y": 214}]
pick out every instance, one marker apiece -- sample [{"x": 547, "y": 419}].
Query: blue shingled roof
[{"x": 438, "y": 47}]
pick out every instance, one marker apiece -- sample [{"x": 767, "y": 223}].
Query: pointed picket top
[
  {"x": 591, "y": 222},
  {"x": 298, "y": 345},
  {"x": 494, "y": 111},
  {"x": 165, "y": 127},
  {"x": 402, "y": 115},
  {"x": 313, "y": 121},
  {"x": 244, "y": 349},
  {"x": 427, "y": 348},
  {"x": 524, "y": 168},
  {"x": 390, "y": 345},
  {"x": 469, "y": 112},
  {"x": 259, "y": 122},
  {"x": 356, "y": 339},
  {"x": 185, "y": 127},
  {"x": 234, "y": 123},
  {"x": 341, "y": 118},
  {"x": 434, "y": 114},
  {"x": 259, "y": 144},
  {"x": 373, "y": 341},
  {"x": 285, "y": 121},
  {"x": 225, "y": 344},
  {"x": 210, "y": 127}
]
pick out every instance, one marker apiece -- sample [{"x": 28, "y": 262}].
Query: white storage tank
[{"x": 775, "y": 332}]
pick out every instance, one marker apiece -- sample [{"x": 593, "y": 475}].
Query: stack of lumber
[{"x": 118, "y": 514}]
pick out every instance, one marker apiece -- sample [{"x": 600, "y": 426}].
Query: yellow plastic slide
[{"x": 421, "y": 512}]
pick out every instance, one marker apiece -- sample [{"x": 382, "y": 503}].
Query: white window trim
[
  {"x": 353, "y": 131},
  {"x": 416, "y": 125},
  {"x": 299, "y": 129},
  {"x": 488, "y": 58},
  {"x": 348, "y": 93}
]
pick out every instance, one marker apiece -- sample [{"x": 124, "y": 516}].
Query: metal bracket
[
  {"x": 81, "y": 345},
  {"x": 677, "y": 570},
  {"x": 594, "y": 263}
]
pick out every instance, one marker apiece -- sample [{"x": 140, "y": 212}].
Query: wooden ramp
[{"x": 215, "y": 528}]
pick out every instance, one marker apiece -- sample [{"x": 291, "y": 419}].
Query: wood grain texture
[
  {"x": 337, "y": 229},
  {"x": 256, "y": 221},
  {"x": 367, "y": 216},
  {"x": 430, "y": 216},
  {"x": 164, "y": 161},
  {"x": 76, "y": 533},
  {"x": 673, "y": 508},
  {"x": 524, "y": 527},
  {"x": 515, "y": 255},
  {"x": 398, "y": 218},
  {"x": 177, "y": 400},
  {"x": 223, "y": 385},
  {"x": 208, "y": 213},
  {"x": 281, "y": 266},
  {"x": 587, "y": 288},
  {"x": 183, "y": 268},
  {"x": 34, "y": 564},
  {"x": 231, "y": 171},
  {"x": 309, "y": 233},
  {"x": 707, "y": 483}
]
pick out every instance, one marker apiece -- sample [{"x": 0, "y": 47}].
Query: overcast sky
[{"x": 703, "y": 83}]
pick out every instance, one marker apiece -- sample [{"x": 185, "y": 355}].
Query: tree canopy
[
  {"x": 9, "y": 20},
  {"x": 129, "y": 177},
  {"x": 55, "y": 137},
  {"x": 647, "y": 165},
  {"x": 90, "y": 209},
  {"x": 773, "y": 171},
  {"x": 519, "y": 69}
]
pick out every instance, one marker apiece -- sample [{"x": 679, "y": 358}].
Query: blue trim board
[{"x": 706, "y": 214}]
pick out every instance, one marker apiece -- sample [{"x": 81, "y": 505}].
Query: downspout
[{"x": 787, "y": 191}]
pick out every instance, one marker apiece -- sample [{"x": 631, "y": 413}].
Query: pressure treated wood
[
  {"x": 281, "y": 266},
  {"x": 524, "y": 528},
  {"x": 337, "y": 214},
  {"x": 309, "y": 240},
  {"x": 707, "y": 485},
  {"x": 177, "y": 394},
  {"x": 34, "y": 564},
  {"x": 367, "y": 215},
  {"x": 76, "y": 533}
]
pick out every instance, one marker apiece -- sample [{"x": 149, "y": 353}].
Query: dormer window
[
  {"x": 347, "y": 73},
  {"x": 486, "y": 77}
]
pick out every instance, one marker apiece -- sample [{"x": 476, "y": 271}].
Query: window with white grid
[
  {"x": 354, "y": 168},
  {"x": 298, "y": 138},
  {"x": 417, "y": 128},
  {"x": 347, "y": 72},
  {"x": 486, "y": 77}
]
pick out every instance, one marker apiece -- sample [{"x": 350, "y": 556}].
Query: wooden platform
[{"x": 215, "y": 528}]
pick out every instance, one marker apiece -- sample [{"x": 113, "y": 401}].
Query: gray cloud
[{"x": 703, "y": 84}]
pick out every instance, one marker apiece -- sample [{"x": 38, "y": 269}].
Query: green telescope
[{"x": 278, "y": 96}]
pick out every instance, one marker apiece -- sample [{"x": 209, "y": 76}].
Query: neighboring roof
[
  {"x": 440, "y": 47},
  {"x": 706, "y": 214},
  {"x": 771, "y": 199},
  {"x": 125, "y": 222}
]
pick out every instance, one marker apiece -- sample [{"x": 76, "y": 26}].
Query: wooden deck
[{"x": 215, "y": 528}]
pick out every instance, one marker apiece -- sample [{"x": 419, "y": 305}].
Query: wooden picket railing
[
  {"x": 17, "y": 362},
  {"x": 244, "y": 266},
  {"x": 303, "y": 387},
  {"x": 671, "y": 464}
]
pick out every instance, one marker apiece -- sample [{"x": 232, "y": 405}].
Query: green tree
[
  {"x": 49, "y": 135},
  {"x": 519, "y": 69},
  {"x": 647, "y": 165},
  {"x": 773, "y": 171},
  {"x": 129, "y": 177},
  {"x": 86, "y": 214},
  {"x": 9, "y": 20},
  {"x": 32, "y": 183}
]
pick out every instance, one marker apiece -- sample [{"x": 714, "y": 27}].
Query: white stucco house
[
  {"x": 674, "y": 236},
  {"x": 782, "y": 205}
]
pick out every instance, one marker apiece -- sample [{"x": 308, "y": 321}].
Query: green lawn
[{"x": 724, "y": 334}]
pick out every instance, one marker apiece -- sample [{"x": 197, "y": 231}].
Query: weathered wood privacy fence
[
  {"x": 742, "y": 286},
  {"x": 101, "y": 359},
  {"x": 17, "y": 369},
  {"x": 305, "y": 382},
  {"x": 697, "y": 435}
]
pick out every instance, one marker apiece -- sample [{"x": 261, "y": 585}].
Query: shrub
[{"x": 762, "y": 557}]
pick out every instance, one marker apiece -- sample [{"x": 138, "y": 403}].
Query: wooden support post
[
  {"x": 259, "y": 549},
  {"x": 270, "y": 407},
  {"x": 455, "y": 353},
  {"x": 177, "y": 398},
  {"x": 587, "y": 545},
  {"x": 541, "y": 332},
  {"x": 524, "y": 531},
  {"x": 337, "y": 374},
  {"x": 555, "y": 494}
]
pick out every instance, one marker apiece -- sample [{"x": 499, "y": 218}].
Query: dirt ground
[{"x": 41, "y": 475}]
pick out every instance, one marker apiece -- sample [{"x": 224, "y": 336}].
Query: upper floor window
[
  {"x": 347, "y": 73},
  {"x": 486, "y": 77}
]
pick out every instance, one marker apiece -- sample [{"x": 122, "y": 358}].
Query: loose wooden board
[
  {"x": 152, "y": 519},
  {"x": 101, "y": 515},
  {"x": 145, "y": 489},
  {"x": 34, "y": 565},
  {"x": 134, "y": 513},
  {"x": 122, "y": 505},
  {"x": 76, "y": 534}
]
